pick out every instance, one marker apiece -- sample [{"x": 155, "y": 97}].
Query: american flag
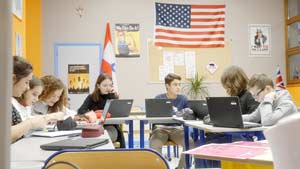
[
  {"x": 279, "y": 80},
  {"x": 189, "y": 26}
]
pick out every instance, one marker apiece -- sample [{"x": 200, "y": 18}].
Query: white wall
[
  {"x": 5, "y": 85},
  {"x": 60, "y": 24}
]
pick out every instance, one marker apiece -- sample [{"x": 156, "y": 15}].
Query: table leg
[
  {"x": 130, "y": 135},
  {"x": 187, "y": 146},
  {"x": 142, "y": 128}
]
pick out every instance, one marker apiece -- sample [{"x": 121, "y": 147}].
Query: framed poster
[
  {"x": 78, "y": 66},
  {"x": 127, "y": 40},
  {"x": 17, "y": 8},
  {"x": 259, "y": 37}
]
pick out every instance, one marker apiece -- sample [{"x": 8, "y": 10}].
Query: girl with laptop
[
  {"x": 96, "y": 101},
  {"x": 234, "y": 80}
]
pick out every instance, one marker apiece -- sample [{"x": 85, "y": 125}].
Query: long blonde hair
[{"x": 51, "y": 84}]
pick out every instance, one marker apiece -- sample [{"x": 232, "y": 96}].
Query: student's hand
[
  {"x": 81, "y": 118},
  {"x": 38, "y": 121},
  {"x": 270, "y": 96},
  {"x": 91, "y": 116},
  {"x": 55, "y": 116},
  {"x": 114, "y": 92}
]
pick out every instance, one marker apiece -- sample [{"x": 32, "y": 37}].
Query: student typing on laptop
[
  {"x": 162, "y": 133},
  {"x": 274, "y": 105}
]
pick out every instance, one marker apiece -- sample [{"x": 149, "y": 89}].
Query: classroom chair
[
  {"x": 108, "y": 159},
  {"x": 284, "y": 140}
]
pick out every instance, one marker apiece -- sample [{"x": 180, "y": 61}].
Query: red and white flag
[
  {"x": 279, "y": 80},
  {"x": 189, "y": 26},
  {"x": 108, "y": 65}
]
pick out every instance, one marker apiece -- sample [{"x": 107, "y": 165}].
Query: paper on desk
[
  {"x": 232, "y": 150},
  {"x": 55, "y": 133}
]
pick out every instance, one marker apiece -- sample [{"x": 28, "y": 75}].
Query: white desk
[
  {"x": 199, "y": 125},
  {"x": 28, "y": 149}
]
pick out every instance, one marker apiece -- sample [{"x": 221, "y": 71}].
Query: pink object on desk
[{"x": 241, "y": 150}]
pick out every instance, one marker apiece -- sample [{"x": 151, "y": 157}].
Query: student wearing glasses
[
  {"x": 274, "y": 105},
  {"x": 161, "y": 134}
]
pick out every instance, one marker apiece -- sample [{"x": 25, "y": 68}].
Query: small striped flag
[
  {"x": 279, "y": 80},
  {"x": 189, "y": 26},
  {"x": 108, "y": 65}
]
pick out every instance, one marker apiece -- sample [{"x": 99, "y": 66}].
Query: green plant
[{"x": 195, "y": 88}]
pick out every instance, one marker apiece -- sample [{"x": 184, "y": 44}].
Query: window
[{"x": 292, "y": 25}]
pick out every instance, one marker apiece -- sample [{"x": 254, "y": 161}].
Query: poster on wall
[
  {"x": 78, "y": 78},
  {"x": 17, "y": 8},
  {"x": 259, "y": 40},
  {"x": 127, "y": 40}
]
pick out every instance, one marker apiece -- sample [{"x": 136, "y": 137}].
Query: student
[
  {"x": 53, "y": 98},
  {"x": 96, "y": 101},
  {"x": 234, "y": 81},
  {"x": 274, "y": 105},
  {"x": 22, "y": 74},
  {"x": 161, "y": 134}
]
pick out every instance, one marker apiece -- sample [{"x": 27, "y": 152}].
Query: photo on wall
[
  {"x": 259, "y": 40},
  {"x": 78, "y": 79},
  {"x": 127, "y": 40}
]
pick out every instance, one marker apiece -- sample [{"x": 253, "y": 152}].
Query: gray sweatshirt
[{"x": 270, "y": 111}]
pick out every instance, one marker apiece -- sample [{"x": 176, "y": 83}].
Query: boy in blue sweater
[{"x": 162, "y": 133}]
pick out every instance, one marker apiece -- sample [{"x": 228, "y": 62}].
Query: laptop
[
  {"x": 226, "y": 112},
  {"x": 159, "y": 107},
  {"x": 199, "y": 108},
  {"x": 82, "y": 124},
  {"x": 120, "y": 107},
  {"x": 75, "y": 143}
]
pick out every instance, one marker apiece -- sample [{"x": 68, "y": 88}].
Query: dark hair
[
  {"x": 51, "y": 84},
  {"x": 96, "y": 93},
  {"x": 170, "y": 77},
  {"x": 234, "y": 80},
  {"x": 21, "y": 68},
  {"x": 260, "y": 80}
]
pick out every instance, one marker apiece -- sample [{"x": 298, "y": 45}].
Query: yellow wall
[
  {"x": 295, "y": 92},
  {"x": 33, "y": 35},
  {"x": 29, "y": 28},
  {"x": 19, "y": 27}
]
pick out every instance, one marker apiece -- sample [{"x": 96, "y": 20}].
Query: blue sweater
[{"x": 179, "y": 103}]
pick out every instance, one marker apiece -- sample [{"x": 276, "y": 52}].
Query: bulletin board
[{"x": 220, "y": 56}]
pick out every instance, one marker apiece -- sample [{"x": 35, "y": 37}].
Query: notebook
[
  {"x": 159, "y": 107},
  {"x": 120, "y": 107},
  {"x": 226, "y": 112},
  {"x": 75, "y": 143},
  {"x": 199, "y": 108}
]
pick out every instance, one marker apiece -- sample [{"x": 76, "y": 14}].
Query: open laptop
[
  {"x": 199, "y": 108},
  {"x": 75, "y": 143},
  {"x": 159, "y": 107},
  {"x": 81, "y": 124},
  {"x": 120, "y": 107},
  {"x": 226, "y": 112}
]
